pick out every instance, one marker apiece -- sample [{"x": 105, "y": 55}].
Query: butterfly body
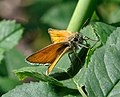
[{"x": 62, "y": 41}]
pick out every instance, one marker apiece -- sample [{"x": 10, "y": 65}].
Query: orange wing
[
  {"x": 47, "y": 54},
  {"x": 59, "y": 35},
  {"x": 56, "y": 60}
]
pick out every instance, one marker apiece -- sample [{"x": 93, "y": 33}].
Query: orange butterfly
[{"x": 62, "y": 42}]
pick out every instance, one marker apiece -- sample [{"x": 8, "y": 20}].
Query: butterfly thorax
[{"x": 75, "y": 40}]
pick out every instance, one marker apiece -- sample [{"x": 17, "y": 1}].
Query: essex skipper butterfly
[{"x": 62, "y": 41}]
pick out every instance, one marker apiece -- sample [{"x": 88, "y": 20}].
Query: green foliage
[
  {"x": 10, "y": 34},
  {"x": 14, "y": 62},
  {"x": 35, "y": 73},
  {"x": 95, "y": 77},
  {"x": 109, "y": 11},
  {"x": 35, "y": 89},
  {"x": 61, "y": 13},
  {"x": 7, "y": 84},
  {"x": 94, "y": 74},
  {"x": 103, "y": 69},
  {"x": 104, "y": 31}
]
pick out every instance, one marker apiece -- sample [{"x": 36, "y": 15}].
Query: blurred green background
[{"x": 36, "y": 16}]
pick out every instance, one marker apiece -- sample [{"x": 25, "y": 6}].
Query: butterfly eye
[{"x": 75, "y": 39}]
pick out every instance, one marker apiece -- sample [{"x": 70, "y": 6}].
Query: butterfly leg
[
  {"x": 81, "y": 45},
  {"x": 86, "y": 38},
  {"x": 76, "y": 55},
  {"x": 69, "y": 55}
]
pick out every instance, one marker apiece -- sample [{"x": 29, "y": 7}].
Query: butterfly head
[
  {"x": 77, "y": 38},
  {"x": 77, "y": 41}
]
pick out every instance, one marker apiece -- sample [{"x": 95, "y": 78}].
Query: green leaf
[
  {"x": 59, "y": 16},
  {"x": 37, "y": 74},
  {"x": 114, "y": 17},
  {"x": 77, "y": 80},
  {"x": 31, "y": 90},
  {"x": 7, "y": 84},
  {"x": 113, "y": 1},
  {"x": 97, "y": 34},
  {"x": 41, "y": 89},
  {"x": 115, "y": 92},
  {"x": 90, "y": 35},
  {"x": 3, "y": 69},
  {"x": 1, "y": 54},
  {"x": 103, "y": 31},
  {"x": 109, "y": 11},
  {"x": 92, "y": 39},
  {"x": 13, "y": 62},
  {"x": 103, "y": 74},
  {"x": 10, "y": 33}
]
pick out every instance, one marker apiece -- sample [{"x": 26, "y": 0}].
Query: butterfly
[{"x": 62, "y": 42}]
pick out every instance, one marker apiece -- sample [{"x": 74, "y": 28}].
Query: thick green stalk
[{"x": 83, "y": 12}]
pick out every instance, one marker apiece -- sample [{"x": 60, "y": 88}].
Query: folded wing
[
  {"x": 47, "y": 54},
  {"x": 59, "y": 35}
]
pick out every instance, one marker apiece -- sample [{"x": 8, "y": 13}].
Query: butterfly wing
[
  {"x": 47, "y": 54},
  {"x": 56, "y": 60},
  {"x": 59, "y": 35}
]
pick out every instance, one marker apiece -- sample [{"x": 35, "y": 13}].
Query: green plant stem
[
  {"x": 80, "y": 89},
  {"x": 83, "y": 11}
]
